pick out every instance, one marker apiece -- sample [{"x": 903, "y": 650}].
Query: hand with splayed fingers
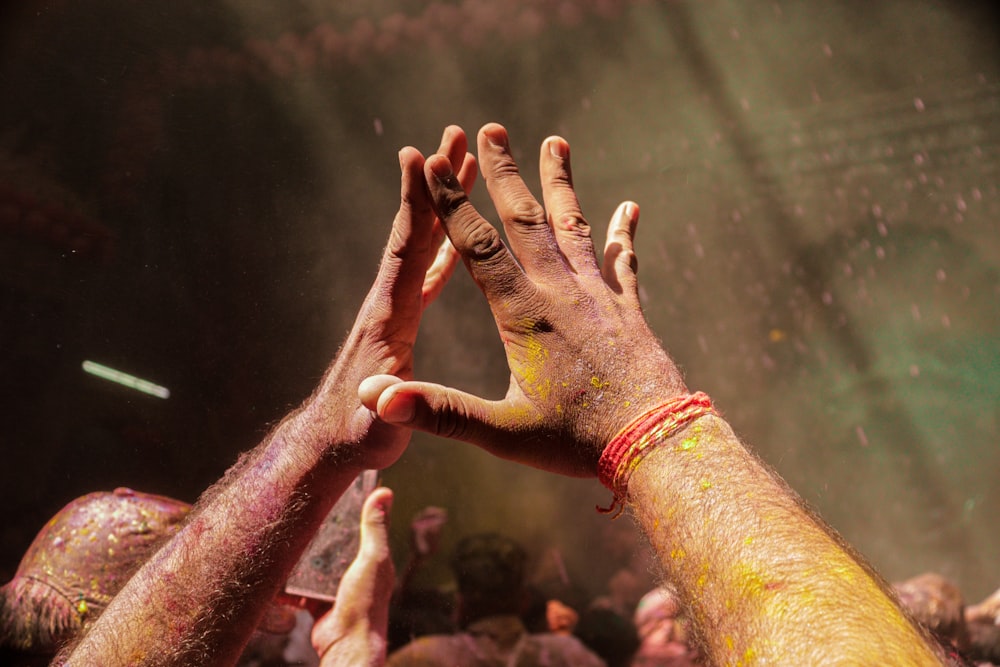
[{"x": 583, "y": 361}]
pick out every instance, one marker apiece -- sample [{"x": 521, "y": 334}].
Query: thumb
[
  {"x": 511, "y": 428},
  {"x": 354, "y": 631},
  {"x": 436, "y": 409},
  {"x": 374, "y": 540}
]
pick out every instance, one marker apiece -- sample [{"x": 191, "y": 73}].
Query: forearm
[
  {"x": 766, "y": 582},
  {"x": 202, "y": 595}
]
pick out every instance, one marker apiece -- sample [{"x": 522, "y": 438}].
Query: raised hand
[
  {"x": 216, "y": 575},
  {"x": 417, "y": 262},
  {"x": 425, "y": 531},
  {"x": 583, "y": 360},
  {"x": 353, "y": 632}
]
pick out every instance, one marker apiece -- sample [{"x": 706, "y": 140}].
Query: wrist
[
  {"x": 314, "y": 435},
  {"x": 644, "y": 433}
]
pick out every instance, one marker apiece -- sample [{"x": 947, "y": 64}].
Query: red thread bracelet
[{"x": 632, "y": 443}]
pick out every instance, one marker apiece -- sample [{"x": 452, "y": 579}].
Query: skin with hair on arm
[
  {"x": 199, "y": 598},
  {"x": 764, "y": 580}
]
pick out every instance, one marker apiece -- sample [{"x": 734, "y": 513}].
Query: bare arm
[
  {"x": 198, "y": 599},
  {"x": 766, "y": 581}
]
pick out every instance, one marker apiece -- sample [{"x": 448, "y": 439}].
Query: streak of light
[{"x": 131, "y": 381}]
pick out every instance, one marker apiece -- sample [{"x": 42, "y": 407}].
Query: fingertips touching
[
  {"x": 433, "y": 408},
  {"x": 372, "y": 387},
  {"x": 397, "y": 407}
]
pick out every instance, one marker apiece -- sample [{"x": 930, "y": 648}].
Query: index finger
[
  {"x": 528, "y": 231},
  {"x": 488, "y": 259}
]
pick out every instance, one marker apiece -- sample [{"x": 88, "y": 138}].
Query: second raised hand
[{"x": 583, "y": 361}]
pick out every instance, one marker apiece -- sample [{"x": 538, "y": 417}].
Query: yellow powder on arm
[{"x": 765, "y": 581}]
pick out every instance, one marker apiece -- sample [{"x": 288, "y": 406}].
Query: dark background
[{"x": 197, "y": 193}]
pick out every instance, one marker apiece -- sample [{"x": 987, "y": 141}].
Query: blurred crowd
[
  {"x": 634, "y": 622},
  {"x": 506, "y": 604}
]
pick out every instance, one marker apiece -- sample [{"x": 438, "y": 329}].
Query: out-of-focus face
[
  {"x": 560, "y": 618},
  {"x": 654, "y": 609},
  {"x": 660, "y": 633}
]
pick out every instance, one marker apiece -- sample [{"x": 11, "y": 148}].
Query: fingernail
[
  {"x": 400, "y": 156},
  {"x": 630, "y": 211},
  {"x": 400, "y": 409},
  {"x": 558, "y": 148},
  {"x": 496, "y": 137},
  {"x": 441, "y": 168}
]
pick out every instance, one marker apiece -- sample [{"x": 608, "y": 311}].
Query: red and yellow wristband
[{"x": 627, "y": 449}]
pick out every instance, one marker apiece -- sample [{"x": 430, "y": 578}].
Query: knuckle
[
  {"x": 622, "y": 234},
  {"x": 505, "y": 167},
  {"x": 449, "y": 201},
  {"x": 525, "y": 210},
  {"x": 630, "y": 259},
  {"x": 452, "y": 421},
  {"x": 573, "y": 222},
  {"x": 483, "y": 242}
]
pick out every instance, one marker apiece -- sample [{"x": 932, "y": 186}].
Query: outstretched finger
[
  {"x": 523, "y": 217},
  {"x": 410, "y": 250},
  {"x": 620, "y": 261},
  {"x": 571, "y": 230},
  {"x": 489, "y": 261},
  {"x": 447, "y": 257},
  {"x": 413, "y": 227},
  {"x": 454, "y": 145}
]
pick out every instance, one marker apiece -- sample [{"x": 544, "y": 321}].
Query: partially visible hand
[
  {"x": 987, "y": 611},
  {"x": 353, "y": 633},
  {"x": 583, "y": 360},
  {"x": 417, "y": 262},
  {"x": 425, "y": 531}
]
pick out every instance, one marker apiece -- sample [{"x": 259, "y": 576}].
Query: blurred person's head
[
  {"x": 655, "y": 615},
  {"x": 560, "y": 619},
  {"x": 608, "y": 634},
  {"x": 663, "y": 630},
  {"x": 489, "y": 570},
  {"x": 418, "y": 613},
  {"x": 937, "y": 604},
  {"x": 78, "y": 562}
]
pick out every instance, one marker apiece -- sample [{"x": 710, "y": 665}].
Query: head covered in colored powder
[{"x": 78, "y": 562}]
